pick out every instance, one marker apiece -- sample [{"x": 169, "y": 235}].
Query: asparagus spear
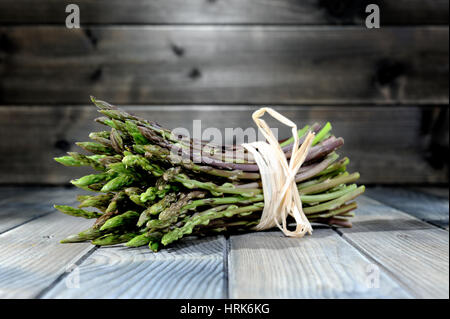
[{"x": 77, "y": 212}]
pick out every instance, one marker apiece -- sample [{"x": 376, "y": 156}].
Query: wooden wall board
[
  {"x": 224, "y": 65},
  {"x": 381, "y": 142},
  {"x": 224, "y": 12}
]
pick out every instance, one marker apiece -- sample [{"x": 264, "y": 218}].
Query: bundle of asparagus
[{"x": 154, "y": 190}]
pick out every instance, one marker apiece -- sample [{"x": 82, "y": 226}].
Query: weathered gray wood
[
  {"x": 9, "y": 191},
  {"x": 424, "y": 206},
  {"x": 193, "y": 268},
  {"x": 412, "y": 251},
  {"x": 436, "y": 191},
  {"x": 27, "y": 204},
  {"x": 32, "y": 257},
  {"x": 224, "y": 11},
  {"x": 269, "y": 265},
  {"x": 410, "y": 254},
  {"x": 222, "y": 64},
  {"x": 378, "y": 140}
]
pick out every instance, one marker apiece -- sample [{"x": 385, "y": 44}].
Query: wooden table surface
[{"x": 397, "y": 248}]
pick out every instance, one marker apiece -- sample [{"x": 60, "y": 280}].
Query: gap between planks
[
  {"x": 24, "y": 269},
  {"x": 28, "y": 262},
  {"x": 21, "y": 205},
  {"x": 422, "y": 218},
  {"x": 428, "y": 281},
  {"x": 65, "y": 274},
  {"x": 226, "y": 251},
  {"x": 192, "y": 268},
  {"x": 370, "y": 257},
  {"x": 269, "y": 265},
  {"x": 226, "y": 281},
  {"x": 427, "y": 207}
]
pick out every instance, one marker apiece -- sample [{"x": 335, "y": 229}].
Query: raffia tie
[{"x": 281, "y": 196}]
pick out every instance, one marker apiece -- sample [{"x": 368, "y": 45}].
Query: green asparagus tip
[
  {"x": 61, "y": 159},
  {"x": 72, "y": 239},
  {"x": 139, "y": 240},
  {"x": 77, "y": 212},
  {"x": 124, "y": 219}
]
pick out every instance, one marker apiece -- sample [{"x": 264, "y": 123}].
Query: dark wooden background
[{"x": 384, "y": 90}]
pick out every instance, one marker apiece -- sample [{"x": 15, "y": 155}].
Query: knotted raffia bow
[{"x": 281, "y": 197}]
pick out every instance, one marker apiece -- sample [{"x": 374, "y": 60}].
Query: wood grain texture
[
  {"x": 25, "y": 204},
  {"x": 224, "y": 64},
  {"x": 32, "y": 257},
  {"x": 385, "y": 144},
  {"x": 411, "y": 255},
  {"x": 269, "y": 265},
  {"x": 193, "y": 268},
  {"x": 442, "y": 192},
  {"x": 224, "y": 11},
  {"x": 410, "y": 250},
  {"x": 429, "y": 208},
  {"x": 7, "y": 192}
]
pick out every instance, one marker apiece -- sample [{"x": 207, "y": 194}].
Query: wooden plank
[
  {"x": 32, "y": 257},
  {"x": 193, "y": 268},
  {"x": 27, "y": 204},
  {"x": 412, "y": 251},
  {"x": 377, "y": 139},
  {"x": 269, "y": 265},
  {"x": 9, "y": 191},
  {"x": 436, "y": 191},
  {"x": 225, "y": 11},
  {"x": 224, "y": 65},
  {"x": 424, "y": 206}
]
